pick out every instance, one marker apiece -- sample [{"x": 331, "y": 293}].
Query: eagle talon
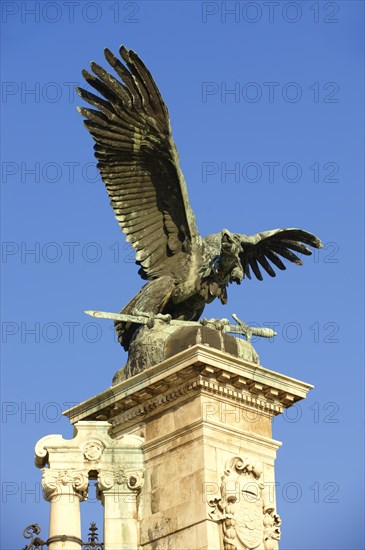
[
  {"x": 151, "y": 321},
  {"x": 166, "y": 318},
  {"x": 217, "y": 324},
  {"x": 152, "y": 317}
]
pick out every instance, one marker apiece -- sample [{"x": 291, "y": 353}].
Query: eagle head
[{"x": 230, "y": 256}]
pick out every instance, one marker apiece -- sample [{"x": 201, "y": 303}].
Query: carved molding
[
  {"x": 247, "y": 522},
  {"x": 87, "y": 449},
  {"x": 264, "y": 405},
  {"x": 54, "y": 482},
  {"x": 233, "y": 377}
]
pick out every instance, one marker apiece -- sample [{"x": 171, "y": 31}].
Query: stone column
[
  {"x": 118, "y": 466},
  {"x": 118, "y": 490},
  {"x": 64, "y": 489}
]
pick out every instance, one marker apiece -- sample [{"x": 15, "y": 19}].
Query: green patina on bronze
[{"x": 139, "y": 164}]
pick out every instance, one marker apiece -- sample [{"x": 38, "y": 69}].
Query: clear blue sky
[{"x": 293, "y": 132}]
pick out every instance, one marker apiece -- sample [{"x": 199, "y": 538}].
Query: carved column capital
[
  {"x": 119, "y": 465},
  {"x": 56, "y": 482},
  {"x": 120, "y": 480}
]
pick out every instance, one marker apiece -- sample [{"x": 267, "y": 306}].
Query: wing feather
[
  {"x": 274, "y": 258},
  {"x": 138, "y": 162},
  {"x": 285, "y": 253},
  {"x": 265, "y": 264},
  {"x": 269, "y": 246}
]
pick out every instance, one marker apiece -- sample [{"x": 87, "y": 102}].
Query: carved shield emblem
[
  {"x": 248, "y": 524},
  {"x": 248, "y": 516}
]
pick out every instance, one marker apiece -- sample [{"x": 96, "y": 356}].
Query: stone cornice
[
  {"x": 196, "y": 368},
  {"x": 207, "y": 387}
]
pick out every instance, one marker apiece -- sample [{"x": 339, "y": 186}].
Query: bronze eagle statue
[{"x": 139, "y": 164}]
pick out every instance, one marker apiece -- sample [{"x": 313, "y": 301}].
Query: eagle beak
[{"x": 227, "y": 236}]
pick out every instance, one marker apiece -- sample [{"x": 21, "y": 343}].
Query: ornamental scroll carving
[
  {"x": 247, "y": 522},
  {"x": 120, "y": 479},
  {"x": 55, "y": 481}
]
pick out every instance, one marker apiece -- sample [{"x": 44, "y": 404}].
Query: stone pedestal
[{"x": 205, "y": 418}]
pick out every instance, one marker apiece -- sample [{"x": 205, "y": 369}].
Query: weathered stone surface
[
  {"x": 69, "y": 464},
  {"x": 152, "y": 346},
  {"x": 198, "y": 411}
]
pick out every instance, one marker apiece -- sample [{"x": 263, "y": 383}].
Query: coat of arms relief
[{"x": 248, "y": 522}]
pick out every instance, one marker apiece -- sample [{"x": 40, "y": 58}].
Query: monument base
[
  {"x": 205, "y": 417},
  {"x": 152, "y": 346}
]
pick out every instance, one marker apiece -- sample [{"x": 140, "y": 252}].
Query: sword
[{"x": 142, "y": 318}]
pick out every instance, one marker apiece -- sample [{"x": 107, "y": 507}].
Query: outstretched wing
[
  {"x": 138, "y": 162},
  {"x": 264, "y": 249}
]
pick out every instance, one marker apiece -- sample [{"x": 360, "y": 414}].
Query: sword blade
[
  {"x": 140, "y": 319},
  {"x": 143, "y": 318}
]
